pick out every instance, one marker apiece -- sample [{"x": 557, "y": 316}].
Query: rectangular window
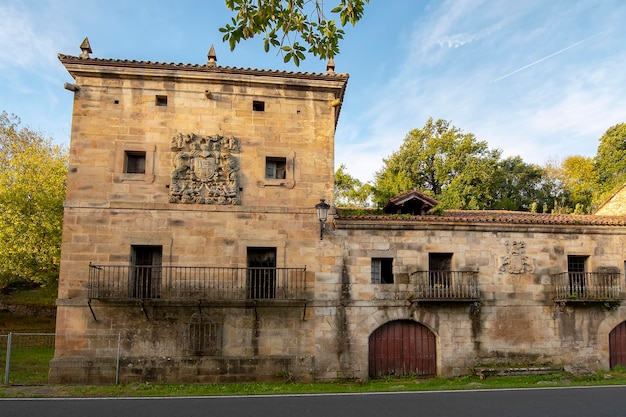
[
  {"x": 382, "y": 270},
  {"x": 261, "y": 273},
  {"x": 161, "y": 101},
  {"x": 145, "y": 272},
  {"x": 576, "y": 271},
  {"x": 439, "y": 272},
  {"x": 134, "y": 162},
  {"x": 275, "y": 168}
]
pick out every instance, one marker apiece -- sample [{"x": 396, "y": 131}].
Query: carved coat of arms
[
  {"x": 516, "y": 261},
  {"x": 205, "y": 169}
]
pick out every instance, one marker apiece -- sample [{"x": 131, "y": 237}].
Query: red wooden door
[
  {"x": 617, "y": 345},
  {"x": 402, "y": 348}
]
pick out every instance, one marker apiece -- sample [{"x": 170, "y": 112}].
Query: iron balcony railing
[
  {"x": 446, "y": 285},
  {"x": 195, "y": 282},
  {"x": 588, "y": 286}
]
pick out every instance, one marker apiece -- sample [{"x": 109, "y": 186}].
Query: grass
[
  {"x": 39, "y": 296},
  {"x": 28, "y": 366},
  {"x": 10, "y": 322},
  {"x": 31, "y": 299},
  {"x": 560, "y": 379}
]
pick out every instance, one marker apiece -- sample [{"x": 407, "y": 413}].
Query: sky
[{"x": 542, "y": 79}]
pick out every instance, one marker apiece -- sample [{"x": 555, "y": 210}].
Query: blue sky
[{"x": 543, "y": 79}]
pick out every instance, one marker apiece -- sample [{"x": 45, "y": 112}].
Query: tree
[
  {"x": 32, "y": 190},
  {"x": 443, "y": 161},
  {"x": 349, "y": 191},
  {"x": 580, "y": 179},
  {"x": 517, "y": 185},
  {"x": 279, "y": 21},
  {"x": 610, "y": 160}
]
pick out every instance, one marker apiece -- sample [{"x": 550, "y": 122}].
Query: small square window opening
[
  {"x": 275, "y": 168},
  {"x": 135, "y": 162},
  {"x": 258, "y": 105},
  {"x": 161, "y": 101}
]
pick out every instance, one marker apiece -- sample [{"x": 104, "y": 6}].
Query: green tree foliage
[
  {"x": 579, "y": 179},
  {"x": 518, "y": 185},
  {"x": 555, "y": 194},
  {"x": 281, "y": 22},
  {"x": 463, "y": 173},
  {"x": 443, "y": 161},
  {"x": 610, "y": 161},
  {"x": 349, "y": 191},
  {"x": 32, "y": 190}
]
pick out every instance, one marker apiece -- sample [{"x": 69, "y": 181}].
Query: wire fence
[{"x": 26, "y": 358}]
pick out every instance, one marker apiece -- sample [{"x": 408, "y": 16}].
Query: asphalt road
[{"x": 545, "y": 402}]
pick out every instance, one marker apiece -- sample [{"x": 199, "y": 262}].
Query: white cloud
[
  {"x": 558, "y": 108},
  {"x": 22, "y": 44},
  {"x": 458, "y": 40}
]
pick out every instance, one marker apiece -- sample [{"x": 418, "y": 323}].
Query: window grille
[{"x": 203, "y": 336}]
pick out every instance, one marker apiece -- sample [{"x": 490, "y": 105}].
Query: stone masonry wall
[
  {"x": 615, "y": 206},
  {"x": 120, "y": 109},
  {"x": 517, "y": 321}
]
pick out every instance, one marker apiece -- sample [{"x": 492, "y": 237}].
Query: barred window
[{"x": 202, "y": 336}]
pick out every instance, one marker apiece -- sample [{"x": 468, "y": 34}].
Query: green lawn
[
  {"x": 29, "y": 366},
  {"x": 615, "y": 377}
]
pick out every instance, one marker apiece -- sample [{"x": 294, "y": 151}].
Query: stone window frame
[
  {"x": 290, "y": 170},
  {"x": 122, "y": 149}
]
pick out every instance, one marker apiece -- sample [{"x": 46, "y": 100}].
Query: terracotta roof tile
[
  {"x": 414, "y": 194},
  {"x": 493, "y": 216},
  {"x": 203, "y": 67}
]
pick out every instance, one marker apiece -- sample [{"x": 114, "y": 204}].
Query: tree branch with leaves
[{"x": 295, "y": 27}]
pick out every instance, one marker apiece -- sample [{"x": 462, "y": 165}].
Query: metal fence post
[
  {"x": 7, "y": 364},
  {"x": 117, "y": 363}
]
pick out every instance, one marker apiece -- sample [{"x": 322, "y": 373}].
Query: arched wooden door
[
  {"x": 617, "y": 345},
  {"x": 402, "y": 348}
]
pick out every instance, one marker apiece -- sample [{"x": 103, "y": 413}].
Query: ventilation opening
[
  {"x": 161, "y": 100},
  {"x": 258, "y": 105}
]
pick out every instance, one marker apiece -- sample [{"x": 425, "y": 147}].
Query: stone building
[{"x": 192, "y": 247}]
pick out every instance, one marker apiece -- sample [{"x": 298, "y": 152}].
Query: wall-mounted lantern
[{"x": 322, "y": 215}]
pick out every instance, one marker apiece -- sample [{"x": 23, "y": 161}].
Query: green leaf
[{"x": 302, "y": 19}]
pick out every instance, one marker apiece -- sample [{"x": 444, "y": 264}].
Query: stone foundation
[{"x": 83, "y": 370}]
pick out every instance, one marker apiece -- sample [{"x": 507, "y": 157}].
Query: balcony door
[
  {"x": 576, "y": 268},
  {"x": 261, "y": 276},
  {"x": 145, "y": 272},
  {"x": 439, "y": 275}
]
